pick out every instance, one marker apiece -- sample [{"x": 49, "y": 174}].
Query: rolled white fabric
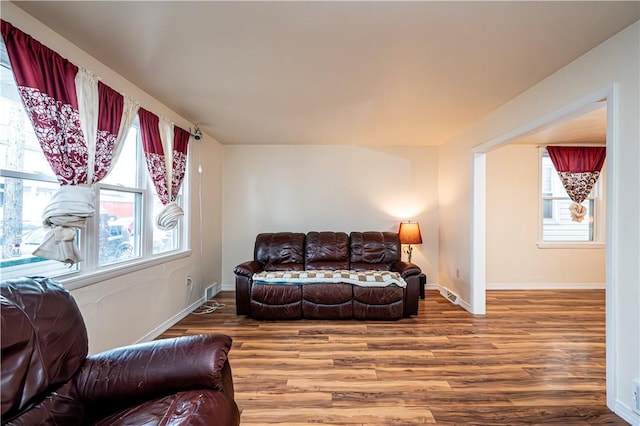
[
  {"x": 68, "y": 209},
  {"x": 169, "y": 217}
]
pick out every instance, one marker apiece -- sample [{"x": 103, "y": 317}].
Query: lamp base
[{"x": 409, "y": 250}]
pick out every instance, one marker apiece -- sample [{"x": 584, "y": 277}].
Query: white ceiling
[{"x": 369, "y": 73}]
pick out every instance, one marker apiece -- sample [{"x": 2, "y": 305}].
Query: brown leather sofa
[
  {"x": 47, "y": 378},
  {"x": 358, "y": 251}
]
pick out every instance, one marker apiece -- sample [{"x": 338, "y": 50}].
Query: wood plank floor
[{"x": 535, "y": 358}]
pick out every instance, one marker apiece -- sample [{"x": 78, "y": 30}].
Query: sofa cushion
[
  {"x": 281, "y": 251},
  {"x": 274, "y": 301},
  {"x": 378, "y": 303},
  {"x": 378, "y": 295},
  {"x": 364, "y": 311},
  {"x": 327, "y": 294},
  {"x": 374, "y": 250},
  {"x": 326, "y": 250},
  {"x": 193, "y": 408},
  {"x": 327, "y": 301}
]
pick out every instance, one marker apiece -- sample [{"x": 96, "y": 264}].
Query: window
[
  {"x": 122, "y": 232},
  {"x": 556, "y": 226}
]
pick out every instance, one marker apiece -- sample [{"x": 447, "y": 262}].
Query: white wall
[
  {"x": 513, "y": 257},
  {"x": 327, "y": 188},
  {"x": 615, "y": 61},
  {"x": 124, "y": 310}
]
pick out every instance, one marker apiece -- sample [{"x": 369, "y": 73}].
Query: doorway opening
[{"x": 478, "y": 223}]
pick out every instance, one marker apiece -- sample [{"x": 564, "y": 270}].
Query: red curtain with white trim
[
  {"x": 179, "y": 160},
  {"x": 165, "y": 148},
  {"x": 61, "y": 100},
  {"x": 579, "y": 169},
  {"x": 46, "y": 83},
  {"x": 110, "y": 114},
  {"x": 154, "y": 152},
  {"x": 48, "y": 86}
]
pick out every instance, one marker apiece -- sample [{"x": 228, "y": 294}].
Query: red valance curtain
[
  {"x": 579, "y": 169},
  {"x": 165, "y": 147},
  {"x": 80, "y": 125}
]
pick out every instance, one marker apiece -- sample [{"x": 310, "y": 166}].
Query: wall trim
[
  {"x": 170, "y": 322},
  {"x": 546, "y": 286},
  {"x": 626, "y": 413}
]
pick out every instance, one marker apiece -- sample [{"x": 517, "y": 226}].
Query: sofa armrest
[
  {"x": 247, "y": 269},
  {"x": 152, "y": 369},
  {"x": 406, "y": 269}
]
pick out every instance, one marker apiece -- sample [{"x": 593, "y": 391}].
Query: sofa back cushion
[
  {"x": 374, "y": 250},
  {"x": 326, "y": 250},
  {"x": 280, "y": 251}
]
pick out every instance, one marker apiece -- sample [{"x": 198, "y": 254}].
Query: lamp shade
[{"x": 410, "y": 233}]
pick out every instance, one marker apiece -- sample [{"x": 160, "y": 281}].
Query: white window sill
[
  {"x": 73, "y": 282},
  {"x": 567, "y": 245}
]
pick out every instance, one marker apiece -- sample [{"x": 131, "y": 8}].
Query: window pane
[
  {"x": 119, "y": 235},
  {"x": 19, "y": 148},
  {"x": 163, "y": 241},
  {"x": 547, "y": 174},
  {"x": 21, "y": 231},
  {"x": 547, "y": 209},
  {"x": 563, "y": 228},
  {"x": 124, "y": 171}
]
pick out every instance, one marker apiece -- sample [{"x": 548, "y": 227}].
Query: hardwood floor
[{"x": 535, "y": 358}]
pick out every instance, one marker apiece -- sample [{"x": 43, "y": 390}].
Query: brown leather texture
[
  {"x": 360, "y": 251},
  {"x": 276, "y": 301},
  {"x": 327, "y": 301},
  {"x": 282, "y": 251},
  {"x": 374, "y": 250},
  {"x": 188, "y": 408},
  {"x": 342, "y": 311},
  {"x": 44, "y": 341},
  {"x": 47, "y": 378},
  {"x": 326, "y": 250}
]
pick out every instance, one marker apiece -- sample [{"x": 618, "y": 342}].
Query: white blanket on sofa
[{"x": 360, "y": 278}]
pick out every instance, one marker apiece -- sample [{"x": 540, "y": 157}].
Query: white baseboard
[
  {"x": 461, "y": 302},
  {"x": 546, "y": 286},
  {"x": 170, "y": 322},
  {"x": 228, "y": 287},
  {"x": 626, "y": 413}
]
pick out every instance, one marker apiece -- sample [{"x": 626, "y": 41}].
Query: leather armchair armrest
[
  {"x": 247, "y": 269},
  {"x": 406, "y": 269},
  {"x": 151, "y": 369}
]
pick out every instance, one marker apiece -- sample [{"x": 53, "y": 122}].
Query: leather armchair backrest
[
  {"x": 280, "y": 251},
  {"x": 326, "y": 250},
  {"x": 374, "y": 250},
  {"x": 44, "y": 341}
]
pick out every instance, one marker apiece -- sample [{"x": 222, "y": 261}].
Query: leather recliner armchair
[{"x": 48, "y": 379}]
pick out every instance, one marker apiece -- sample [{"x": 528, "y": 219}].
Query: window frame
[
  {"x": 89, "y": 271},
  {"x": 597, "y": 197}
]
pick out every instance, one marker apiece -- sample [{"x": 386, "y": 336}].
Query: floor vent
[{"x": 451, "y": 297}]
